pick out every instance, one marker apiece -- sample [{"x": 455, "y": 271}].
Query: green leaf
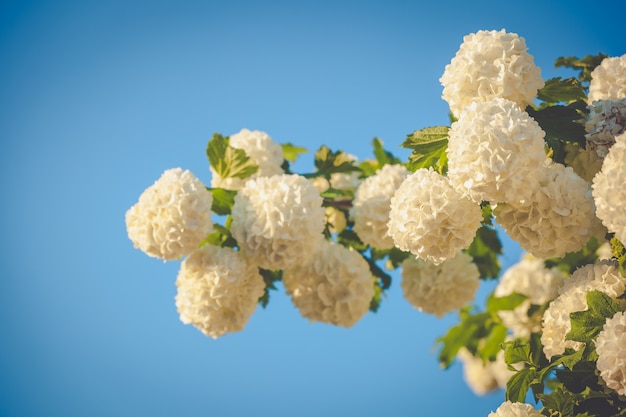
[
  {"x": 328, "y": 162},
  {"x": 291, "y": 152},
  {"x": 223, "y": 200},
  {"x": 618, "y": 250},
  {"x": 382, "y": 156},
  {"x": 485, "y": 249},
  {"x": 429, "y": 148},
  {"x": 493, "y": 342},
  {"x": 508, "y": 302},
  {"x": 229, "y": 162},
  {"x": 559, "y": 401},
  {"x": 333, "y": 193},
  {"x": 269, "y": 277},
  {"x": 516, "y": 351},
  {"x": 376, "y": 299},
  {"x": 220, "y": 237},
  {"x": 468, "y": 333},
  {"x": 558, "y": 90},
  {"x": 587, "y": 324},
  {"x": 518, "y": 385},
  {"x": 585, "y": 65}
]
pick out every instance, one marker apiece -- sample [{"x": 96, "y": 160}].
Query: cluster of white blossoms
[
  {"x": 481, "y": 377},
  {"x": 370, "y": 208},
  {"x": 558, "y": 217},
  {"x": 440, "y": 289},
  {"x": 531, "y": 278},
  {"x": 336, "y": 286},
  {"x": 603, "y": 276},
  {"x": 218, "y": 290},
  {"x": 495, "y": 150},
  {"x": 609, "y": 192},
  {"x": 511, "y": 409},
  {"x": 278, "y": 220},
  {"x": 611, "y": 350},
  {"x": 172, "y": 217},
  {"x": 260, "y": 148},
  {"x": 606, "y": 120},
  {"x": 430, "y": 219},
  {"x": 491, "y": 64},
  {"x": 608, "y": 80}
]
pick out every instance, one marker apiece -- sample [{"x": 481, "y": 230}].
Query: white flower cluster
[
  {"x": 430, "y": 219},
  {"x": 259, "y": 147},
  {"x": 335, "y": 287},
  {"x": 491, "y": 64},
  {"x": 608, "y": 80},
  {"x": 218, "y": 290},
  {"x": 606, "y": 120},
  {"x": 611, "y": 350},
  {"x": 278, "y": 220},
  {"x": 558, "y": 217},
  {"x": 172, "y": 217},
  {"x": 372, "y": 200},
  {"x": 511, "y": 409},
  {"x": 440, "y": 289},
  {"x": 609, "y": 192},
  {"x": 531, "y": 278},
  {"x": 603, "y": 276},
  {"x": 481, "y": 377},
  {"x": 495, "y": 151}
]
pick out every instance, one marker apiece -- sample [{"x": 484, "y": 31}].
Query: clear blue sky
[{"x": 97, "y": 98}]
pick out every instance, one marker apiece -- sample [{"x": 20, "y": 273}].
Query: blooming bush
[{"x": 540, "y": 160}]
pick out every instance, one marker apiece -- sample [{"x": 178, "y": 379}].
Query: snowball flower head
[
  {"x": 611, "y": 350},
  {"x": 609, "y": 192},
  {"x": 606, "y": 120},
  {"x": 172, "y": 216},
  {"x": 603, "y": 276},
  {"x": 431, "y": 219},
  {"x": 335, "y": 287},
  {"x": 557, "y": 219},
  {"x": 608, "y": 80},
  {"x": 218, "y": 290},
  {"x": 510, "y": 409},
  {"x": 278, "y": 220},
  {"x": 370, "y": 209},
  {"x": 495, "y": 151},
  {"x": 440, "y": 289},
  {"x": 259, "y": 147},
  {"x": 491, "y": 64},
  {"x": 531, "y": 278}
]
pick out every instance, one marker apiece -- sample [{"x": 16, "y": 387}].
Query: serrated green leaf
[
  {"x": 602, "y": 305},
  {"x": 516, "y": 351},
  {"x": 485, "y": 249},
  {"x": 329, "y": 162},
  {"x": 269, "y": 278},
  {"x": 518, "y": 385},
  {"x": 382, "y": 156},
  {"x": 220, "y": 237},
  {"x": 559, "y": 401},
  {"x": 426, "y": 140},
  {"x": 333, "y": 193},
  {"x": 493, "y": 342},
  {"x": 291, "y": 152},
  {"x": 223, "y": 200},
  {"x": 507, "y": 302},
  {"x": 587, "y": 324},
  {"x": 350, "y": 239},
  {"x": 558, "y": 90},
  {"x": 468, "y": 333},
  {"x": 229, "y": 162},
  {"x": 585, "y": 65}
]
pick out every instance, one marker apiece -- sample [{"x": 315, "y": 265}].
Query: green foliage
[
  {"x": 383, "y": 157},
  {"x": 223, "y": 200},
  {"x": 584, "y": 65},
  {"x": 291, "y": 152},
  {"x": 559, "y": 90},
  {"x": 574, "y": 260},
  {"x": 328, "y": 162},
  {"x": 485, "y": 250},
  {"x": 269, "y": 278},
  {"x": 220, "y": 237},
  {"x": 429, "y": 147},
  {"x": 227, "y": 161},
  {"x": 619, "y": 252},
  {"x": 587, "y": 324}
]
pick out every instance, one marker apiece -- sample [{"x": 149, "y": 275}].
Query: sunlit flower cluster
[
  {"x": 494, "y": 152},
  {"x": 440, "y": 289},
  {"x": 430, "y": 219},
  {"x": 491, "y": 64},
  {"x": 172, "y": 216},
  {"x": 218, "y": 290},
  {"x": 278, "y": 220},
  {"x": 258, "y": 146},
  {"x": 370, "y": 209},
  {"x": 603, "y": 276},
  {"x": 611, "y": 350},
  {"x": 557, "y": 219},
  {"x": 608, "y": 80},
  {"x": 609, "y": 192},
  {"x": 335, "y": 287},
  {"x": 606, "y": 120},
  {"x": 531, "y": 278},
  {"x": 511, "y": 409}
]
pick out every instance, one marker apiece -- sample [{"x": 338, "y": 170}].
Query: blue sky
[{"x": 99, "y": 98}]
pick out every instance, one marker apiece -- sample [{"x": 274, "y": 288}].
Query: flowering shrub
[{"x": 540, "y": 160}]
